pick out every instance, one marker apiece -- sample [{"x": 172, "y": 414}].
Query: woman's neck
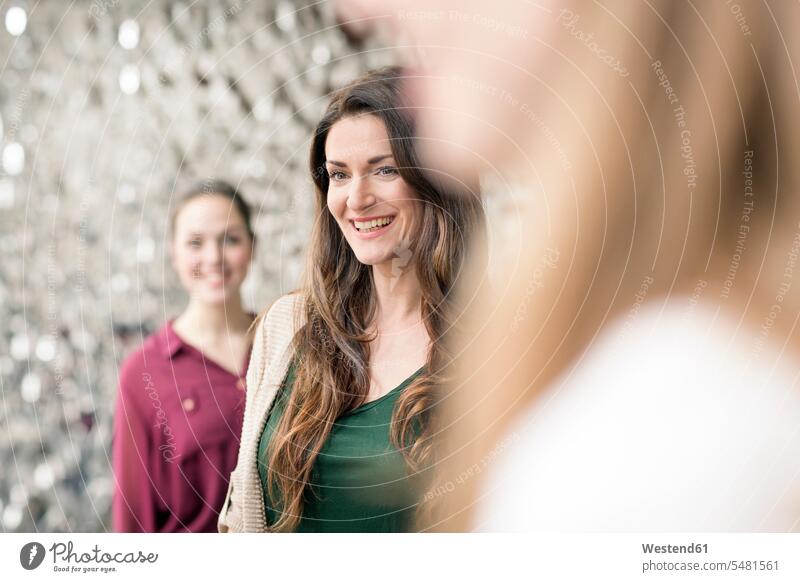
[
  {"x": 209, "y": 322},
  {"x": 398, "y": 294}
]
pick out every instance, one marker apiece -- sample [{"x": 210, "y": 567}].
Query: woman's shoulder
[
  {"x": 283, "y": 316},
  {"x": 659, "y": 394},
  {"x": 145, "y": 359},
  {"x": 288, "y": 305},
  {"x": 274, "y": 331}
]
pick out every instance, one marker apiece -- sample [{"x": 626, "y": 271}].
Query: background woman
[
  {"x": 181, "y": 395},
  {"x": 338, "y": 426}
]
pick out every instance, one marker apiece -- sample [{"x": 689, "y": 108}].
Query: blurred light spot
[
  {"x": 284, "y": 17},
  {"x": 120, "y": 283},
  {"x": 99, "y": 487},
  {"x": 263, "y": 109},
  {"x": 218, "y": 93},
  {"x": 43, "y": 476},
  {"x": 126, "y": 193},
  {"x": 12, "y": 517},
  {"x": 321, "y": 54},
  {"x": 205, "y": 65},
  {"x": 6, "y": 193},
  {"x": 20, "y": 347},
  {"x": 46, "y": 349},
  {"x": 13, "y": 158},
  {"x": 129, "y": 79},
  {"x": 257, "y": 168},
  {"x": 31, "y": 388},
  {"x": 128, "y": 34},
  {"x": 16, "y": 20},
  {"x": 145, "y": 250}
]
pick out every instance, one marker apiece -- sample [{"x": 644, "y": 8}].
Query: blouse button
[
  {"x": 241, "y": 384},
  {"x": 188, "y": 404}
]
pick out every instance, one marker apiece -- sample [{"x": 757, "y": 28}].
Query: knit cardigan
[{"x": 243, "y": 510}]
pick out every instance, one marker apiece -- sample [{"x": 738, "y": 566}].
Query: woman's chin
[
  {"x": 373, "y": 259},
  {"x": 215, "y": 297}
]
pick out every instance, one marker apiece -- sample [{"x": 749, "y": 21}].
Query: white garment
[{"x": 673, "y": 421}]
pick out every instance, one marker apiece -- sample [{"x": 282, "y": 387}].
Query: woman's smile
[{"x": 372, "y": 226}]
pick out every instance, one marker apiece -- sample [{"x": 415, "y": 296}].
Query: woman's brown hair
[
  {"x": 213, "y": 187},
  {"x": 332, "y": 347}
]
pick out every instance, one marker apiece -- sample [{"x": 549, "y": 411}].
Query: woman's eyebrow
[
  {"x": 373, "y": 160},
  {"x": 377, "y": 159}
]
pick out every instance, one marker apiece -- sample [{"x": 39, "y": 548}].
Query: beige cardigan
[{"x": 243, "y": 510}]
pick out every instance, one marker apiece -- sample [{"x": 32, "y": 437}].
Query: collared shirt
[{"x": 176, "y": 438}]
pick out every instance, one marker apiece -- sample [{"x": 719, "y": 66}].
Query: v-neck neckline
[
  {"x": 207, "y": 360},
  {"x": 374, "y": 403}
]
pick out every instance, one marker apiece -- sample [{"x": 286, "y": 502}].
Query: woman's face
[
  {"x": 211, "y": 248},
  {"x": 375, "y": 208}
]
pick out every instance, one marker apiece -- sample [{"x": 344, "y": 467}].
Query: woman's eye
[
  {"x": 234, "y": 240},
  {"x": 387, "y": 171},
  {"x": 336, "y": 175},
  {"x": 195, "y": 242}
]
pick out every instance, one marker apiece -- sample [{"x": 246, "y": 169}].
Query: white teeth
[{"x": 372, "y": 224}]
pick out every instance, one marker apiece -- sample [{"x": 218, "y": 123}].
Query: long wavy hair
[{"x": 332, "y": 348}]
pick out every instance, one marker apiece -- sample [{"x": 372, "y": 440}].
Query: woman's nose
[
  {"x": 360, "y": 196},
  {"x": 212, "y": 252}
]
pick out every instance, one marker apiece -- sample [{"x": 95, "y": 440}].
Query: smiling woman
[
  {"x": 345, "y": 377},
  {"x": 181, "y": 395},
  {"x": 367, "y": 195}
]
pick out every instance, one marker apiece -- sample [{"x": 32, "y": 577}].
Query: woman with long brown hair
[{"x": 345, "y": 373}]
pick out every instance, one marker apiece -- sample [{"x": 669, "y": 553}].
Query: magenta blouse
[{"x": 176, "y": 437}]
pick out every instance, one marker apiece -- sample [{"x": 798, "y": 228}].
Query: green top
[{"x": 359, "y": 482}]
